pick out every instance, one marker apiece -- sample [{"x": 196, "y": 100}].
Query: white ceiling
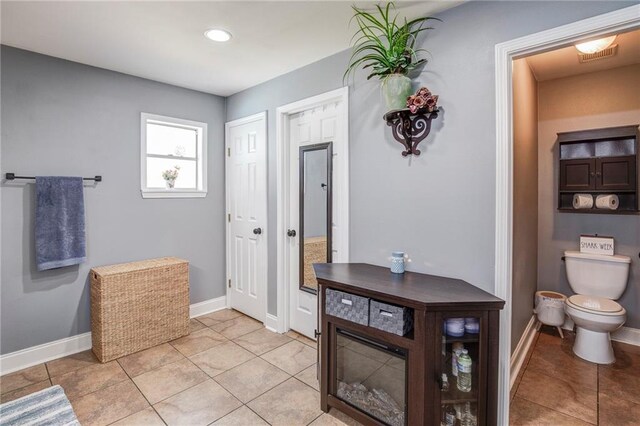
[
  {"x": 164, "y": 41},
  {"x": 564, "y": 62}
]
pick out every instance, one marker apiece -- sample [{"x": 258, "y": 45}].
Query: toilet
[{"x": 598, "y": 281}]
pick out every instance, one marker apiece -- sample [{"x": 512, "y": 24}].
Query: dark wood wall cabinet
[
  {"x": 598, "y": 162},
  {"x": 386, "y": 343}
]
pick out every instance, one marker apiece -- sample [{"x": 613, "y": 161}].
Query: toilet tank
[{"x": 597, "y": 274}]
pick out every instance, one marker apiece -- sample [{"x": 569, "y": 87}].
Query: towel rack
[{"x": 12, "y": 176}]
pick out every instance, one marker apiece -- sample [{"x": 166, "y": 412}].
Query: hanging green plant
[{"x": 386, "y": 45}]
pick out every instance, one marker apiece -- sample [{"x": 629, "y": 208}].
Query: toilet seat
[{"x": 595, "y": 305}]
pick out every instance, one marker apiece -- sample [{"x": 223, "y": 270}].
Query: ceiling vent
[{"x": 603, "y": 54}]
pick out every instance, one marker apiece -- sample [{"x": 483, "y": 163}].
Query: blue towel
[{"x": 60, "y": 237}]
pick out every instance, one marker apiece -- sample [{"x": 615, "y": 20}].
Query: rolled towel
[
  {"x": 608, "y": 201},
  {"x": 582, "y": 201}
]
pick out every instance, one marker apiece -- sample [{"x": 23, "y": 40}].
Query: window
[{"x": 173, "y": 157}]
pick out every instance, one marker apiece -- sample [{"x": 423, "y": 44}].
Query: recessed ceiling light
[
  {"x": 595, "y": 46},
  {"x": 217, "y": 34}
]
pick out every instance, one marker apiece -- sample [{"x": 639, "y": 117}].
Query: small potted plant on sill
[
  {"x": 170, "y": 176},
  {"x": 388, "y": 49}
]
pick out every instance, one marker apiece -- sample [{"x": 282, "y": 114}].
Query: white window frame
[{"x": 201, "y": 166}]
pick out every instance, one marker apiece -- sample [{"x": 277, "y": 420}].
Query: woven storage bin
[
  {"x": 347, "y": 306},
  {"x": 137, "y": 305},
  {"x": 391, "y": 318}
]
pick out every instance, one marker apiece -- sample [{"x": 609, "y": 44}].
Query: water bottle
[
  {"x": 456, "y": 349},
  {"x": 467, "y": 419},
  {"x": 464, "y": 371},
  {"x": 448, "y": 416}
]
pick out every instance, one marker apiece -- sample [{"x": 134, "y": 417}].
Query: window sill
[{"x": 166, "y": 193}]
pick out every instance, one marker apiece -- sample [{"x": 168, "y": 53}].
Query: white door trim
[
  {"x": 616, "y": 21},
  {"x": 265, "y": 232},
  {"x": 282, "y": 170}
]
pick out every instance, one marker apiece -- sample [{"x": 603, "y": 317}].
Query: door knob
[
  {"x": 291, "y": 232},
  {"x": 257, "y": 231}
]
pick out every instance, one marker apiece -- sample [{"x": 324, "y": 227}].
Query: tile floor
[
  {"x": 229, "y": 371},
  {"x": 555, "y": 387},
  {"x": 232, "y": 371}
]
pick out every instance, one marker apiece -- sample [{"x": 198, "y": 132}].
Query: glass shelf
[{"x": 465, "y": 338}]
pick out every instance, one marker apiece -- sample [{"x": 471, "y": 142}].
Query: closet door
[{"x": 246, "y": 186}]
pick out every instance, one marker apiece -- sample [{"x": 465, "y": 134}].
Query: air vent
[{"x": 603, "y": 54}]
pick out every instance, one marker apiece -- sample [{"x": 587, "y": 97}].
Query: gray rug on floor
[{"x": 47, "y": 407}]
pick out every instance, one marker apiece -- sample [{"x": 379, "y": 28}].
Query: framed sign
[{"x": 596, "y": 244}]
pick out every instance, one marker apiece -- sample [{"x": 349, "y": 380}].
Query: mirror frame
[{"x": 306, "y": 148}]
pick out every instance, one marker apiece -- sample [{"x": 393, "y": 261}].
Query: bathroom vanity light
[
  {"x": 217, "y": 34},
  {"x": 595, "y": 46}
]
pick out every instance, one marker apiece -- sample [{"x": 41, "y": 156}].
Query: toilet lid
[{"x": 595, "y": 303}]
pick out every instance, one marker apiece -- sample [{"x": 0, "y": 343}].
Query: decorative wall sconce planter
[{"x": 410, "y": 128}]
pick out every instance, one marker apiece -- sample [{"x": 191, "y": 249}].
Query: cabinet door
[
  {"x": 463, "y": 385},
  {"x": 577, "y": 175},
  {"x": 616, "y": 173}
]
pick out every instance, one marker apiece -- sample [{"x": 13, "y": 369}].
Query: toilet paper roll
[
  {"x": 582, "y": 201},
  {"x": 608, "y": 201}
]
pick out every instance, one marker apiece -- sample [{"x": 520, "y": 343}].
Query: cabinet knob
[
  {"x": 291, "y": 232},
  {"x": 257, "y": 231}
]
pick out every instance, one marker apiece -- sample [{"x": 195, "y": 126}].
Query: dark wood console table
[{"x": 378, "y": 377}]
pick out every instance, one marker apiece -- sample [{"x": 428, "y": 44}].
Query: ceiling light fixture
[
  {"x": 595, "y": 46},
  {"x": 217, "y": 34}
]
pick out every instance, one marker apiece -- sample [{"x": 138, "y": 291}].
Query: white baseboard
[
  {"x": 518, "y": 356},
  {"x": 271, "y": 323},
  {"x": 628, "y": 335},
  {"x": 208, "y": 306},
  {"x": 35, "y": 355}
]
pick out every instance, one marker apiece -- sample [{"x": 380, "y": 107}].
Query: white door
[
  {"x": 317, "y": 125},
  {"x": 246, "y": 173}
]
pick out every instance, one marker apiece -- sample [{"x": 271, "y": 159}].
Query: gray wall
[
  {"x": 589, "y": 101},
  {"x": 525, "y": 197},
  {"x": 60, "y": 117},
  {"x": 438, "y": 207}
]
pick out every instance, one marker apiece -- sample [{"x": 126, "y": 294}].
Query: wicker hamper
[{"x": 137, "y": 305}]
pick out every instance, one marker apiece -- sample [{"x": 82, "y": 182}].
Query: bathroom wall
[
  {"x": 64, "y": 118},
  {"x": 589, "y": 101},
  {"x": 438, "y": 207},
  {"x": 525, "y": 197}
]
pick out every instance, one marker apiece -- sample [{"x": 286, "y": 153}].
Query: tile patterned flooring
[
  {"x": 232, "y": 371},
  {"x": 555, "y": 387},
  {"x": 229, "y": 371}
]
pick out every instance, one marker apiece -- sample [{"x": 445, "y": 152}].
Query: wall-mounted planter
[{"x": 410, "y": 128}]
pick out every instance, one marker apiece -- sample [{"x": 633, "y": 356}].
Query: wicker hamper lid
[{"x": 141, "y": 265}]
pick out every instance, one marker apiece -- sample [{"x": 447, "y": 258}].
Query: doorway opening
[{"x": 617, "y": 22}]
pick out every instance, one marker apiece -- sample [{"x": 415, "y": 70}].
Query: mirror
[{"x": 315, "y": 211}]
